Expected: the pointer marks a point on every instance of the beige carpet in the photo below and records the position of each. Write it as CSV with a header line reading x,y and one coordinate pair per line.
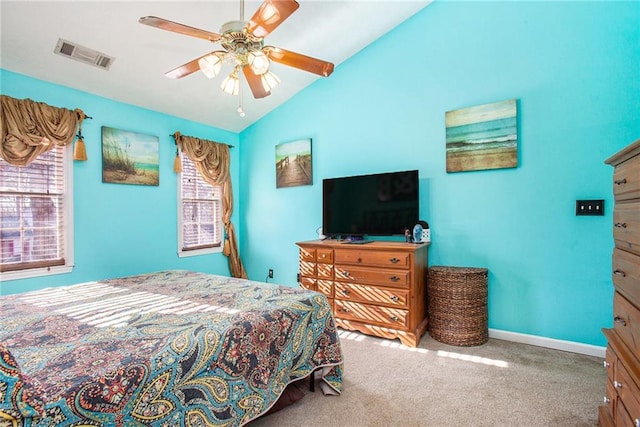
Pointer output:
x,y
497,384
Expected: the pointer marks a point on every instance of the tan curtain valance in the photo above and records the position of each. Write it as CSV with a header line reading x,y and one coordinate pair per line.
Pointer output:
x,y
212,161
29,128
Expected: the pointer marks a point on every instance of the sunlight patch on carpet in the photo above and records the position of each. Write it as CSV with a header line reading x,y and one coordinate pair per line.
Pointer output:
x,y
474,359
393,344
351,336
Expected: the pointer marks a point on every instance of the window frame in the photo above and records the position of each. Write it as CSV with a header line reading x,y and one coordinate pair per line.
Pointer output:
x,y
182,253
67,223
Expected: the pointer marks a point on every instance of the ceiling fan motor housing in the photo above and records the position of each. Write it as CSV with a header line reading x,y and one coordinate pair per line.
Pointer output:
x,y
237,40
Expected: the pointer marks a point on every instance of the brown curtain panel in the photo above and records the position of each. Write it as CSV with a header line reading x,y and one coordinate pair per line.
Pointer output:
x,y
212,162
29,128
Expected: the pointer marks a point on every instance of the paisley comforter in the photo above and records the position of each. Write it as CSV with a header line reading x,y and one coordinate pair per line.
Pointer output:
x,y
164,349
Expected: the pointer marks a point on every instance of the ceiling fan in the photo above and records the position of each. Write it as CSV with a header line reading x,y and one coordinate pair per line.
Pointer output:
x,y
244,49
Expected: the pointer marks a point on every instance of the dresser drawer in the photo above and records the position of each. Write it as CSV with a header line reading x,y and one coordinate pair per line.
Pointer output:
x,y
307,269
610,363
626,226
626,179
373,294
326,287
628,391
626,323
626,275
308,283
605,417
374,276
324,256
384,316
623,419
610,398
375,259
324,271
307,254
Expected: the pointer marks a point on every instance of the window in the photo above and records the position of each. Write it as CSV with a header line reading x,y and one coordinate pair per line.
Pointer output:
x,y
36,208
199,213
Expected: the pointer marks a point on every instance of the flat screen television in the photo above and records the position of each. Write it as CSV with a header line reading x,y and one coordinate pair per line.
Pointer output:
x,y
382,204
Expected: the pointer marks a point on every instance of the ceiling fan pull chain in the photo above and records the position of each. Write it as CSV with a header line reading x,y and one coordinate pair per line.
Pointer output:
x,y
240,109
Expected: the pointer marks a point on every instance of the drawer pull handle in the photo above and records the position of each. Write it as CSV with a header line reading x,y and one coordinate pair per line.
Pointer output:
x,y
394,298
620,181
394,318
620,320
606,364
345,309
621,225
636,422
619,273
394,260
616,384
394,278
359,260
345,291
323,256
606,400
346,274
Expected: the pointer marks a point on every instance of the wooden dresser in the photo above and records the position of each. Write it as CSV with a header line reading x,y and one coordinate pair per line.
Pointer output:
x,y
378,288
622,400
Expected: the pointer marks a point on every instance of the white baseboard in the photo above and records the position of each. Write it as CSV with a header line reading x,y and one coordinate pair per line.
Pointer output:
x,y
573,347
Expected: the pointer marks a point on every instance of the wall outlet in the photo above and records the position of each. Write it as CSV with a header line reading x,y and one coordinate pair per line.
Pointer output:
x,y
270,275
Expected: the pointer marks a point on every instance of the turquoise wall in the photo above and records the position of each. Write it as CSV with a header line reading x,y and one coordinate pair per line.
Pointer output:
x,y
121,229
574,68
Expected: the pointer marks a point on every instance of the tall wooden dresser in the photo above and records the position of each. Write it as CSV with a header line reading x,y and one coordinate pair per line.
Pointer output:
x,y
622,401
377,288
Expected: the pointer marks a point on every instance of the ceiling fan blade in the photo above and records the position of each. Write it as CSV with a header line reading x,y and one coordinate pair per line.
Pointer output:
x,y
185,69
269,15
255,83
298,60
164,24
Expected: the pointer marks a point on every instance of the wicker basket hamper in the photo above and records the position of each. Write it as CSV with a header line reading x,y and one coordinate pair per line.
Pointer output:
x,y
457,305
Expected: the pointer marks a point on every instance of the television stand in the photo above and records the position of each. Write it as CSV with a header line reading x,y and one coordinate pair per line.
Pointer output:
x,y
378,289
355,240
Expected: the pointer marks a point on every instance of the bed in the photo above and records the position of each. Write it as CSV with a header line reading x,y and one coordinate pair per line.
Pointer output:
x,y
161,349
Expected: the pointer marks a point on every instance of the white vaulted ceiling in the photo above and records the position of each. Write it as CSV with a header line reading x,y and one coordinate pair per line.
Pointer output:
x,y
328,30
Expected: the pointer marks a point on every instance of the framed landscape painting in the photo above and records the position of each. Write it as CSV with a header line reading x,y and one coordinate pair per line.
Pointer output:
x,y
129,157
293,163
482,137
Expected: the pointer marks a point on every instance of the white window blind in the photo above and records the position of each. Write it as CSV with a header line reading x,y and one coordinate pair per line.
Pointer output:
x,y
32,213
200,212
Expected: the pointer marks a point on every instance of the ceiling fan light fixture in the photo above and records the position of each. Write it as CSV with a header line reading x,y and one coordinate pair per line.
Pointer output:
x,y
258,61
269,81
211,64
231,83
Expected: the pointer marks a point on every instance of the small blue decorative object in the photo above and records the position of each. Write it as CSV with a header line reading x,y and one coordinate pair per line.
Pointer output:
x,y
417,233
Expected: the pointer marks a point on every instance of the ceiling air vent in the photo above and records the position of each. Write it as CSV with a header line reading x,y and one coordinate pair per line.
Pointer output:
x,y
83,54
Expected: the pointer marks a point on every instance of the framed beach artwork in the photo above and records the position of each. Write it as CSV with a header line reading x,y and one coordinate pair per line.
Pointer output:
x,y
293,163
482,137
129,157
